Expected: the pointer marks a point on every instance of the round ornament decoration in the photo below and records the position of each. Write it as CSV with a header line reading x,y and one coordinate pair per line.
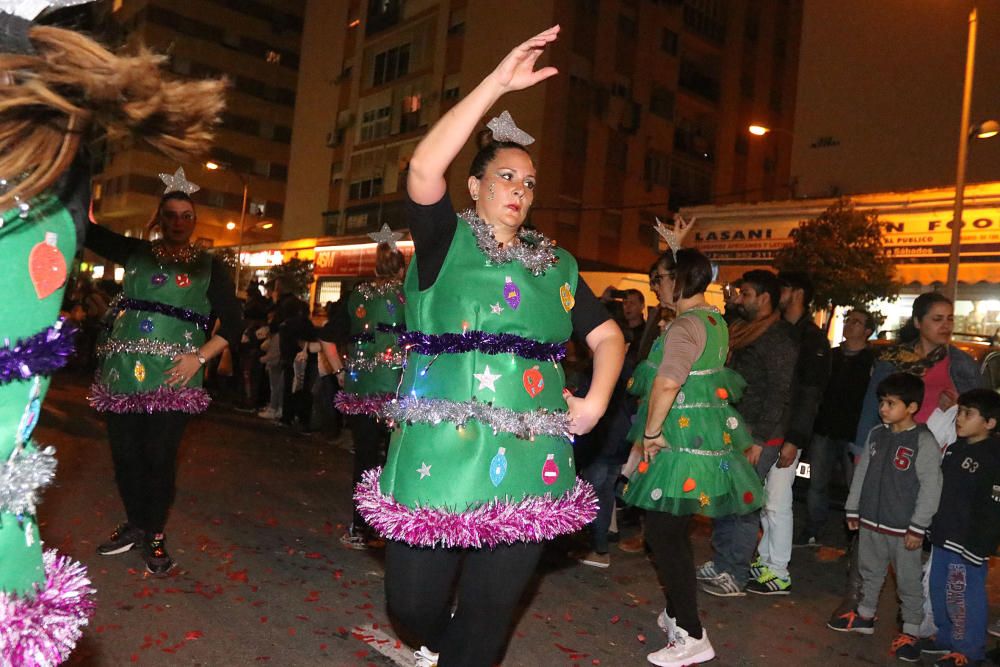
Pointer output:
x,y
722,393
498,467
643,467
533,381
360,312
724,465
183,280
689,485
139,371
390,306
680,398
158,279
656,494
748,497
550,471
511,293
47,266
732,423
566,297
401,297
146,325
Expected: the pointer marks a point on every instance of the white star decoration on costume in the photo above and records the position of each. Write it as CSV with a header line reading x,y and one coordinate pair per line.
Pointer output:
x,y
188,335
486,379
424,470
178,183
496,308
386,235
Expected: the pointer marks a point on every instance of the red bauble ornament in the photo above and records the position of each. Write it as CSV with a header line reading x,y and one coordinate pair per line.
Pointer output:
x,y
748,497
643,466
360,312
46,266
712,320
550,471
689,485
183,280
722,393
533,381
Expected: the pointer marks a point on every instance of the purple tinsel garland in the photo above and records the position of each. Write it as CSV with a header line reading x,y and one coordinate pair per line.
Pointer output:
x,y
192,400
41,629
41,354
361,404
202,321
481,341
533,519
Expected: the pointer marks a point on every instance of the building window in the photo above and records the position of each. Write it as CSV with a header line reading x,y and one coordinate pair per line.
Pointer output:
x,y
391,64
668,42
661,102
450,94
366,189
617,151
456,22
262,168
376,123
656,168
410,118
273,57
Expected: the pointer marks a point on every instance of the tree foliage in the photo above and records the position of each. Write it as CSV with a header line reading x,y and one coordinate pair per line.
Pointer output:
x,y
295,275
843,252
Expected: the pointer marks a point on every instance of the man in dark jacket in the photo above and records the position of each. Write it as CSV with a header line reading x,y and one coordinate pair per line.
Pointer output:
x,y
812,371
763,350
837,420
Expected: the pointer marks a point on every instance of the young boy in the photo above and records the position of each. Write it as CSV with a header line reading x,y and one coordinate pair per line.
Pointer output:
x,y
966,530
894,495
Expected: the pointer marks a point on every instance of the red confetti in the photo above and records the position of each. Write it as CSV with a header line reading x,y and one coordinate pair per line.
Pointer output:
x,y
641,638
291,632
263,619
194,634
314,555
239,575
615,618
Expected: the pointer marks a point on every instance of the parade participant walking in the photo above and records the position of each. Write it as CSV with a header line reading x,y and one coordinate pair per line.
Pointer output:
x,y
152,368
373,367
54,84
480,468
693,444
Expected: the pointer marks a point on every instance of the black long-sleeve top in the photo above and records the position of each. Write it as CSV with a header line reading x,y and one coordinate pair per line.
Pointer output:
x,y
220,293
812,373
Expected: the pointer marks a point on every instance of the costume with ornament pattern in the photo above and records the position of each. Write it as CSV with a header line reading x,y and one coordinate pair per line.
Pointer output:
x,y
372,372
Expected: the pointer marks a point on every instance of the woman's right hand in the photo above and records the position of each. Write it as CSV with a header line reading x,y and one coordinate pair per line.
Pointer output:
x,y
517,70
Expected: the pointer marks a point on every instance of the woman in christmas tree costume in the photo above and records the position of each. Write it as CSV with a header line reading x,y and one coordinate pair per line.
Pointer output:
x,y
374,366
480,468
152,363
53,84
691,441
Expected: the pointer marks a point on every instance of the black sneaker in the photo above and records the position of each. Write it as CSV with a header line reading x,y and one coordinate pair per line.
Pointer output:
x,y
124,538
929,646
906,648
852,621
158,561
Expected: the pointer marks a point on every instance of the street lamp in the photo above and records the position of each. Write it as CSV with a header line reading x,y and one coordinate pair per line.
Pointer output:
x,y
212,165
758,130
761,130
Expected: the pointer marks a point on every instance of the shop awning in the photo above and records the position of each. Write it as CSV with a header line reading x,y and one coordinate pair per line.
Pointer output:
x,y
969,273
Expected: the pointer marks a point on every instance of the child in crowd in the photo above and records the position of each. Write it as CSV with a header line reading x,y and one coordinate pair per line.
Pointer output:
x,y
966,531
894,495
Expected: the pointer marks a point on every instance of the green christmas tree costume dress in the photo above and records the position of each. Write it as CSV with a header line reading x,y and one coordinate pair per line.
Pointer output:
x,y
703,471
376,362
481,455
44,598
163,312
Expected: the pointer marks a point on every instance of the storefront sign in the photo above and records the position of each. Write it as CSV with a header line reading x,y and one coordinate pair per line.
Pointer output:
x,y
351,260
262,258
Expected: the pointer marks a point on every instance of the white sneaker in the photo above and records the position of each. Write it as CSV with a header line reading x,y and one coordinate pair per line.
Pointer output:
x,y
706,571
684,650
268,413
668,624
425,658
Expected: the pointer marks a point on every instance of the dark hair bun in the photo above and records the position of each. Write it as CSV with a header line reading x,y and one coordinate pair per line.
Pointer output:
x,y
484,138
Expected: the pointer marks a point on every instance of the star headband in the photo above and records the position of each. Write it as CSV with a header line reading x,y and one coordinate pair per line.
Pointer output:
x,y
178,183
504,129
30,9
387,236
669,235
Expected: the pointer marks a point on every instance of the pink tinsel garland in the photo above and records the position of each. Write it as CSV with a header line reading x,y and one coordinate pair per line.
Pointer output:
x,y
533,519
42,629
361,404
192,400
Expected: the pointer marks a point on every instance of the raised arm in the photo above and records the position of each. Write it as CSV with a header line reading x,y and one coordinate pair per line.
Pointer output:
x,y
436,151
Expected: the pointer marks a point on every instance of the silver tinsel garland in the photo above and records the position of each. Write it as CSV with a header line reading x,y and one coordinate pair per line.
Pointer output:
x,y
534,251
524,425
396,359
374,290
23,477
160,348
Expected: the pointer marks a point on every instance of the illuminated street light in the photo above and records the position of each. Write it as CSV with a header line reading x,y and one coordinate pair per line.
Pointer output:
x,y
230,225
267,225
987,129
212,166
759,130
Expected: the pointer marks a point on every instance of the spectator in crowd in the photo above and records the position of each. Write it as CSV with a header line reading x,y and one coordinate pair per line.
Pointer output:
x,y
296,331
837,421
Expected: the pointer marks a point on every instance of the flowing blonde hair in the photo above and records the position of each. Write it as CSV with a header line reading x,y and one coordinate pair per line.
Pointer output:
x,y
48,100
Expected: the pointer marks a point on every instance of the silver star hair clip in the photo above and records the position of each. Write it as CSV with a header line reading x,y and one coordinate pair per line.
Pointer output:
x,y
30,9
387,236
178,183
504,129
674,237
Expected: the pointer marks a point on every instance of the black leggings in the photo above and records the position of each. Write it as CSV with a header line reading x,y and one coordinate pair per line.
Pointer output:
x,y
668,539
418,587
370,440
144,453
